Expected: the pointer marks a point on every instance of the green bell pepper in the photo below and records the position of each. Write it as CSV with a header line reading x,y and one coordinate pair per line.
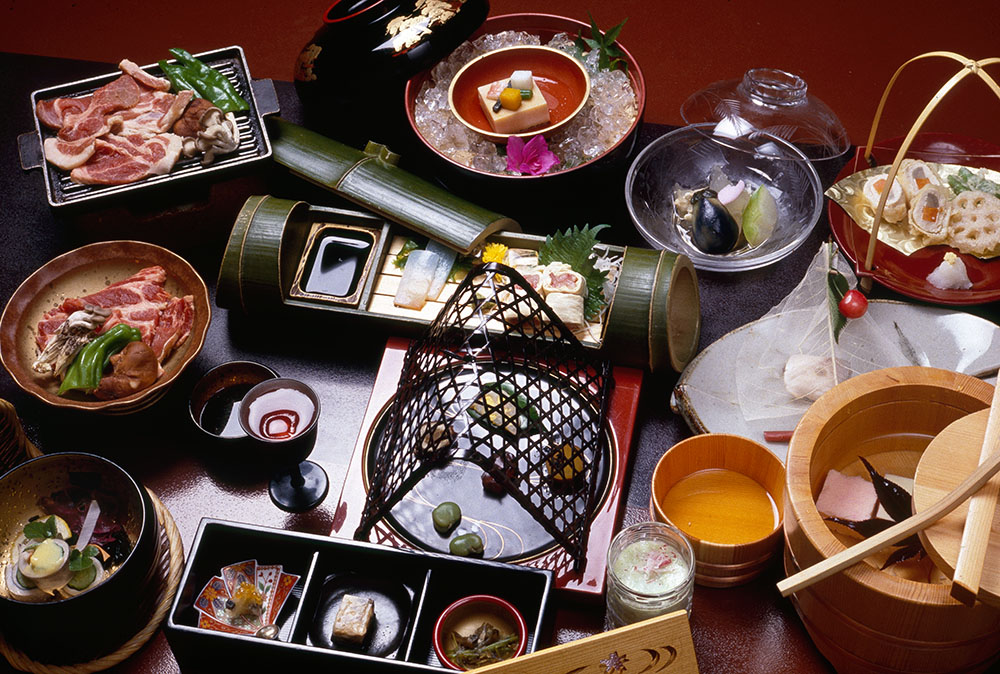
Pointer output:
x,y
209,83
175,74
86,370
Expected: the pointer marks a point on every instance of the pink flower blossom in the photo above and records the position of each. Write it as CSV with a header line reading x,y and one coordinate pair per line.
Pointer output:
x,y
533,157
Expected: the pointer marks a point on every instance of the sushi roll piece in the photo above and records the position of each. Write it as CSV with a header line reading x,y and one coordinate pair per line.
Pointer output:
x,y
560,278
930,212
895,205
445,261
569,309
415,285
950,274
915,175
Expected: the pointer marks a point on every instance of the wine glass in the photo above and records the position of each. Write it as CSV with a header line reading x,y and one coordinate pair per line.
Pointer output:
x,y
281,415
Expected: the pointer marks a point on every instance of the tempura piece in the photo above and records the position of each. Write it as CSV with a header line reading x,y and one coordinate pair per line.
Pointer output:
x,y
895,205
930,211
975,224
914,175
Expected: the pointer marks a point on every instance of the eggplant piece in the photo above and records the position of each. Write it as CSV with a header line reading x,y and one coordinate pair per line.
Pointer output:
x,y
714,230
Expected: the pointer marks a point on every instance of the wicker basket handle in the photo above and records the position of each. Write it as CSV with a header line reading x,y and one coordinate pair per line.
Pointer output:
x,y
969,67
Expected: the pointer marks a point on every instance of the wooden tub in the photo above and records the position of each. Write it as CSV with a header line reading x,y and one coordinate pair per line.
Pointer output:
x,y
864,619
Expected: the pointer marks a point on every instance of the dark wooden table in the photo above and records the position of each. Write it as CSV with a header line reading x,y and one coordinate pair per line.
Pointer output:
x,y
744,629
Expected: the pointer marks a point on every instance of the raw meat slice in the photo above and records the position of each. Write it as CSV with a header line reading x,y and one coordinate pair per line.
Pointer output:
x,y
68,154
52,112
120,94
173,327
142,77
141,301
123,159
145,116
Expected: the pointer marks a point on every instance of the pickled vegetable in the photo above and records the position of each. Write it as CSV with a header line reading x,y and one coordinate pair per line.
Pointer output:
x,y
714,230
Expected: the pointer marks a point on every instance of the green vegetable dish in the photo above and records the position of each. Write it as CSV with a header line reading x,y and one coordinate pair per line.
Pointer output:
x,y
191,74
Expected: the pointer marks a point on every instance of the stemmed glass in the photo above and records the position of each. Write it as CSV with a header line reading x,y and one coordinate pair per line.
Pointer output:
x,y
282,415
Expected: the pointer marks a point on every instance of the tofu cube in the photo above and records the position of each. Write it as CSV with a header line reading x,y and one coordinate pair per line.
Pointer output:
x,y
533,112
353,619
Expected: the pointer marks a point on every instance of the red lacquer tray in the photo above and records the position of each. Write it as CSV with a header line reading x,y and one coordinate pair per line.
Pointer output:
x,y
907,274
622,408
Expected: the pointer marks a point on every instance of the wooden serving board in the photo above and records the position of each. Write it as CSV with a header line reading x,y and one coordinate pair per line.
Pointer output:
x,y
661,644
951,457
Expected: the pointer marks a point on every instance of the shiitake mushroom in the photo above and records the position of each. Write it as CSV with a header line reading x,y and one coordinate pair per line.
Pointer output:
x,y
714,230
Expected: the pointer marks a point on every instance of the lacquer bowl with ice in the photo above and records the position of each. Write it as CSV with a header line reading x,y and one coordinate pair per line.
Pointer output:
x,y
600,136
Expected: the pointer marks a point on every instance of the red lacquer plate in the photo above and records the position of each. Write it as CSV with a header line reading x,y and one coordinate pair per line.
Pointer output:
x,y
907,274
560,77
622,407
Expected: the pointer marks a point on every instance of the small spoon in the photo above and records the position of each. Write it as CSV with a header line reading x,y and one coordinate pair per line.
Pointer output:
x,y
268,632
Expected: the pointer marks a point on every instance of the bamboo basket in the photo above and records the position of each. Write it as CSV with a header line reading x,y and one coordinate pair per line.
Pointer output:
x,y
864,619
654,319
969,67
716,564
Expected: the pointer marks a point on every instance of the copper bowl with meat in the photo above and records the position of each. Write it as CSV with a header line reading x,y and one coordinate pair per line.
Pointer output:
x,y
67,621
50,340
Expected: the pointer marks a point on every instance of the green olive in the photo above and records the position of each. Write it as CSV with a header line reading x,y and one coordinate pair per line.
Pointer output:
x,y
446,516
466,545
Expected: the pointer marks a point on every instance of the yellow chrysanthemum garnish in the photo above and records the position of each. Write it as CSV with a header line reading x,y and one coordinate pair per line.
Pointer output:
x,y
494,252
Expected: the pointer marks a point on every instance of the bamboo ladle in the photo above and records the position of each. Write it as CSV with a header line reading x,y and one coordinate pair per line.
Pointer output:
x,y
939,497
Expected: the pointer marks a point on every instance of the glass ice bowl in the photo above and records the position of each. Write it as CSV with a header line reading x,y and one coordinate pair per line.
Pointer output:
x,y
685,158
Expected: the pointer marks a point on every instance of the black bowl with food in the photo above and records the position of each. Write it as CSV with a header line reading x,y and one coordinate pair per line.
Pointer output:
x,y
79,542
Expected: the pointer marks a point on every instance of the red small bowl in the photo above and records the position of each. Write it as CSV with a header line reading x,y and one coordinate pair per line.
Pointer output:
x,y
472,609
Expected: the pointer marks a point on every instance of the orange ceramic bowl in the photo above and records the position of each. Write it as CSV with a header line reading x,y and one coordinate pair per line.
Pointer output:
x,y
561,78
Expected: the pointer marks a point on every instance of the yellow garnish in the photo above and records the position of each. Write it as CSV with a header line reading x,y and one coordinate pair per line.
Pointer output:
x,y
510,98
494,252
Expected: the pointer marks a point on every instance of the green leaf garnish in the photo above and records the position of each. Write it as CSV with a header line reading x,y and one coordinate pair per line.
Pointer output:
x,y
836,288
404,253
610,56
41,529
575,247
79,561
966,181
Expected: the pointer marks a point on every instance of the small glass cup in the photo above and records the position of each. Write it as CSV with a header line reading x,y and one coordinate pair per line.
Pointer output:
x,y
626,604
272,415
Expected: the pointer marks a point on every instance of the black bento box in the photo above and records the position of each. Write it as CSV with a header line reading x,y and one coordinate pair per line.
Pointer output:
x,y
254,143
429,583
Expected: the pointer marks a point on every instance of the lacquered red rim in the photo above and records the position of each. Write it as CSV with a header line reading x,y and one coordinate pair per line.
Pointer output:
x,y
635,74
496,602
328,20
907,275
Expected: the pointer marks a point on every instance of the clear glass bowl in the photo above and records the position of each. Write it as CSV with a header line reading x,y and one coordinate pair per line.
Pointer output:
x,y
772,101
685,157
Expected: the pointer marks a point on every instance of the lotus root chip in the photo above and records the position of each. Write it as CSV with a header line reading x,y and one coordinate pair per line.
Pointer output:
x,y
975,224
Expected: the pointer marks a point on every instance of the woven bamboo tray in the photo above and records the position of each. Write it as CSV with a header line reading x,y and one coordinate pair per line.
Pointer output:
x,y
14,447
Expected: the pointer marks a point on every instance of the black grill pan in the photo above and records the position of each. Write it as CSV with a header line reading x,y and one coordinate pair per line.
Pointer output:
x,y
254,143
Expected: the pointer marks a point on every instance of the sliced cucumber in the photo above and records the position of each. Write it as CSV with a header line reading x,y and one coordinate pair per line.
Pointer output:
x,y
82,579
24,582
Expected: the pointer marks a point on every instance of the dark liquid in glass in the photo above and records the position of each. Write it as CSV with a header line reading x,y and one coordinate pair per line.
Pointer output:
x,y
221,414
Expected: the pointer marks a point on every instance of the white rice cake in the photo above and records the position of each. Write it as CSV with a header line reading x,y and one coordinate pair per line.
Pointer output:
x,y
353,619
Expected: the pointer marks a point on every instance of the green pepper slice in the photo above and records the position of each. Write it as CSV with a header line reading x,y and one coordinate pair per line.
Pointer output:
x,y
210,83
85,372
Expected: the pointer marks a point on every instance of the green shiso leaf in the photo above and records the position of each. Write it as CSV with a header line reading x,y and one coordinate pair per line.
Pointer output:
x,y
966,181
836,288
575,247
404,253
39,530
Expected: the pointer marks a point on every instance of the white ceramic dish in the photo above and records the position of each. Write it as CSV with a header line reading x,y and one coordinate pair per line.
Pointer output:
x,y
705,395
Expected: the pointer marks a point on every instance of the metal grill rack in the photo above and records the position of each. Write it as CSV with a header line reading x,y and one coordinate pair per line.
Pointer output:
x,y
254,144
528,405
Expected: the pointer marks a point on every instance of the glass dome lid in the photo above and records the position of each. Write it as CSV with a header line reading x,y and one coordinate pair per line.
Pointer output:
x,y
772,101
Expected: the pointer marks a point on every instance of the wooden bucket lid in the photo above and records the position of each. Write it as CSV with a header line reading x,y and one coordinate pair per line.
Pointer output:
x,y
950,457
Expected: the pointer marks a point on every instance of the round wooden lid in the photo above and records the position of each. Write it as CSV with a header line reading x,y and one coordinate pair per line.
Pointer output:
x,y
950,457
